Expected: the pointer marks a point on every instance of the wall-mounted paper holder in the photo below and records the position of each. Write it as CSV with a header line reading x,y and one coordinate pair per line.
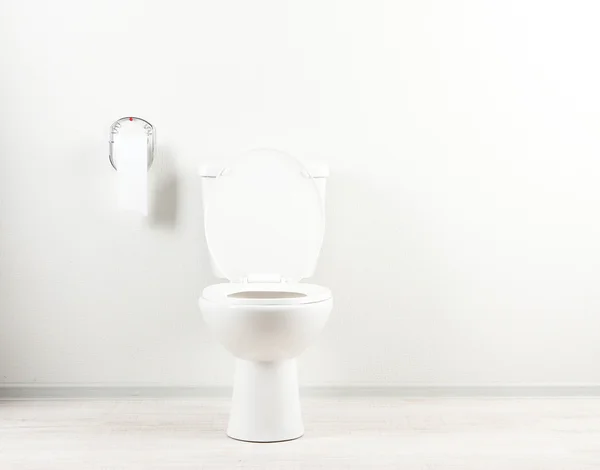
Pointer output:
x,y
150,133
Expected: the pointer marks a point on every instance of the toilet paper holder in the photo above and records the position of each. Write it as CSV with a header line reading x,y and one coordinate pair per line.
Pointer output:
x,y
150,133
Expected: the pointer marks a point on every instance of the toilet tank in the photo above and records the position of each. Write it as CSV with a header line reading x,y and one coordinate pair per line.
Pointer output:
x,y
319,172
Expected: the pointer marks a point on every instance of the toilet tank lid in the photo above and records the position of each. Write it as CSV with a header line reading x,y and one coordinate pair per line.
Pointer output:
x,y
316,169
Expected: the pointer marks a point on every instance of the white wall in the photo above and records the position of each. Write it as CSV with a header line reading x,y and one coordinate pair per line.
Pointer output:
x,y
464,143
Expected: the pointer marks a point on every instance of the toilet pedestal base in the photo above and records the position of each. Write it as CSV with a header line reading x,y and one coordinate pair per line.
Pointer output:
x,y
266,402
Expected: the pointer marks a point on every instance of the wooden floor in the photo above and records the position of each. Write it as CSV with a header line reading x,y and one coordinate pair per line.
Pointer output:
x,y
349,433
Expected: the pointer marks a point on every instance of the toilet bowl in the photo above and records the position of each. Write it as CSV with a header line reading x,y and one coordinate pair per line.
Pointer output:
x,y
264,224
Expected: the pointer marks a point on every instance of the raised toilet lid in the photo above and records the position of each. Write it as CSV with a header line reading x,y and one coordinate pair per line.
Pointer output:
x,y
264,221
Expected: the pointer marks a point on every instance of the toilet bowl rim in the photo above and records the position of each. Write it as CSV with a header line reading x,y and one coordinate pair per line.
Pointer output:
x,y
310,293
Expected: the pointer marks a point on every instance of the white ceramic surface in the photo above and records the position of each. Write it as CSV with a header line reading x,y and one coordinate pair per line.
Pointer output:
x,y
264,222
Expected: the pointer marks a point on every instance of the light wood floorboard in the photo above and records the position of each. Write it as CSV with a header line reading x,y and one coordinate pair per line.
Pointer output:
x,y
344,433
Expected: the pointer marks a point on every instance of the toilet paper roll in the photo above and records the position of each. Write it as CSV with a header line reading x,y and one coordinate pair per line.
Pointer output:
x,y
131,152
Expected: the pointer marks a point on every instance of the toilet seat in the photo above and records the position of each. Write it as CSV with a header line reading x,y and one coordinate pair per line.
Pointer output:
x,y
264,226
266,293
264,220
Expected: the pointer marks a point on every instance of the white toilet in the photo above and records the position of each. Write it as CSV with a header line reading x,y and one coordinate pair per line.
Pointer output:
x,y
264,220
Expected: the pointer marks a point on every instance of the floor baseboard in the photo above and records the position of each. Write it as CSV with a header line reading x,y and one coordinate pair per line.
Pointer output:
x,y
60,391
